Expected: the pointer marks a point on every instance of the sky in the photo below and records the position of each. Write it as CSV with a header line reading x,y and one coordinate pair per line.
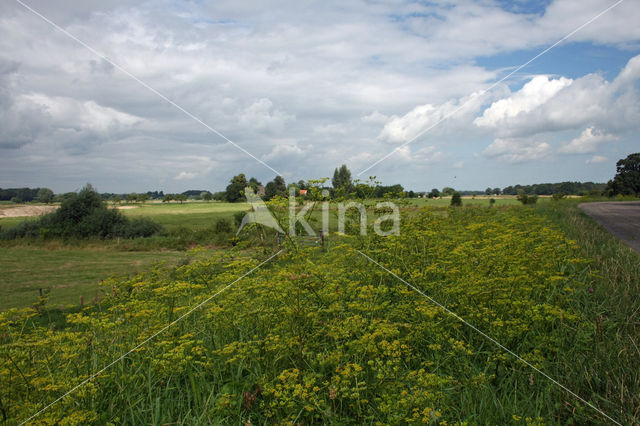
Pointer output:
x,y
135,96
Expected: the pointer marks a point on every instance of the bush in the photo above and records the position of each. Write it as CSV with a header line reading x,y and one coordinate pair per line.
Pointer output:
x,y
83,215
223,226
28,228
456,200
527,199
141,227
237,218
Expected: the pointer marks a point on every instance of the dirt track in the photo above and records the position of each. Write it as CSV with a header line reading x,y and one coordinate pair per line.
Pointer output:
x,y
25,211
622,219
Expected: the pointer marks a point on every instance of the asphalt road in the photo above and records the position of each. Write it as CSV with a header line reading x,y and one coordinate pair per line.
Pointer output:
x,y
622,219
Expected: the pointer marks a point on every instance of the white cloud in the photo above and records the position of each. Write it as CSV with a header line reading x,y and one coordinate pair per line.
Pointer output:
x,y
596,159
262,116
451,115
517,150
295,82
285,151
548,105
77,115
375,118
186,175
587,142
534,94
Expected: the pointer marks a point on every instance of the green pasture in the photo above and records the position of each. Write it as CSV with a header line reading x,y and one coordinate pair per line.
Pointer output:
x,y
194,215
67,273
501,200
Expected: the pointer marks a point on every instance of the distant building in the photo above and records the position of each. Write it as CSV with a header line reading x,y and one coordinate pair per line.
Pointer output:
x,y
261,191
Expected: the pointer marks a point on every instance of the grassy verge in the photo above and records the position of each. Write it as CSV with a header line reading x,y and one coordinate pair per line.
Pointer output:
x,y
614,308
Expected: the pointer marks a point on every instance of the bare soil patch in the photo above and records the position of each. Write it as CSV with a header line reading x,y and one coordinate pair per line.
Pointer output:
x,y
25,211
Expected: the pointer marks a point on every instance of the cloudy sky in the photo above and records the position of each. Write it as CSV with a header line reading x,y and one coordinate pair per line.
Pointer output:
x,y
306,86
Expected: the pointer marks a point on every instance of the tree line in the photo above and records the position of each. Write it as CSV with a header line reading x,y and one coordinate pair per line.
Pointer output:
x,y
625,182
342,185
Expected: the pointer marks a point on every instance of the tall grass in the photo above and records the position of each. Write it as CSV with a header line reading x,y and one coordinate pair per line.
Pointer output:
x,y
611,372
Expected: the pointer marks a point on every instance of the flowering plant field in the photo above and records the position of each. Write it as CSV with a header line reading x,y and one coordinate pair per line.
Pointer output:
x,y
327,336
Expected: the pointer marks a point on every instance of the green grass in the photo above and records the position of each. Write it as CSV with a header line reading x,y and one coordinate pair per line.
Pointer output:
x,y
328,337
67,273
614,308
481,200
196,215
8,222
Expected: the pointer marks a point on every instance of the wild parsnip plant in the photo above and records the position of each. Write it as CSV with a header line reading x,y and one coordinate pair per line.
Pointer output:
x,y
325,336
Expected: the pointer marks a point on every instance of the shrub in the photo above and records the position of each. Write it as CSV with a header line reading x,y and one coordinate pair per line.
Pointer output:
x,y
223,226
456,200
83,215
141,227
28,228
527,199
237,218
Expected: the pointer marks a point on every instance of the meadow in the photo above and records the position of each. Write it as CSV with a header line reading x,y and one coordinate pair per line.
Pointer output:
x,y
65,271
323,335
193,215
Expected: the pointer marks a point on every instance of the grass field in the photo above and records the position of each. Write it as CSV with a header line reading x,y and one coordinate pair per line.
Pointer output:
x,y
480,200
195,215
67,273
11,221
328,337
171,215
74,269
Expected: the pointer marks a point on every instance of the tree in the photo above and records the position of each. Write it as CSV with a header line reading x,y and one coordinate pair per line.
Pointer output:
x,y
488,191
276,187
116,199
627,178
254,184
132,198
435,193
207,196
456,199
180,197
527,199
342,179
143,198
168,198
235,189
45,195
446,191
496,191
